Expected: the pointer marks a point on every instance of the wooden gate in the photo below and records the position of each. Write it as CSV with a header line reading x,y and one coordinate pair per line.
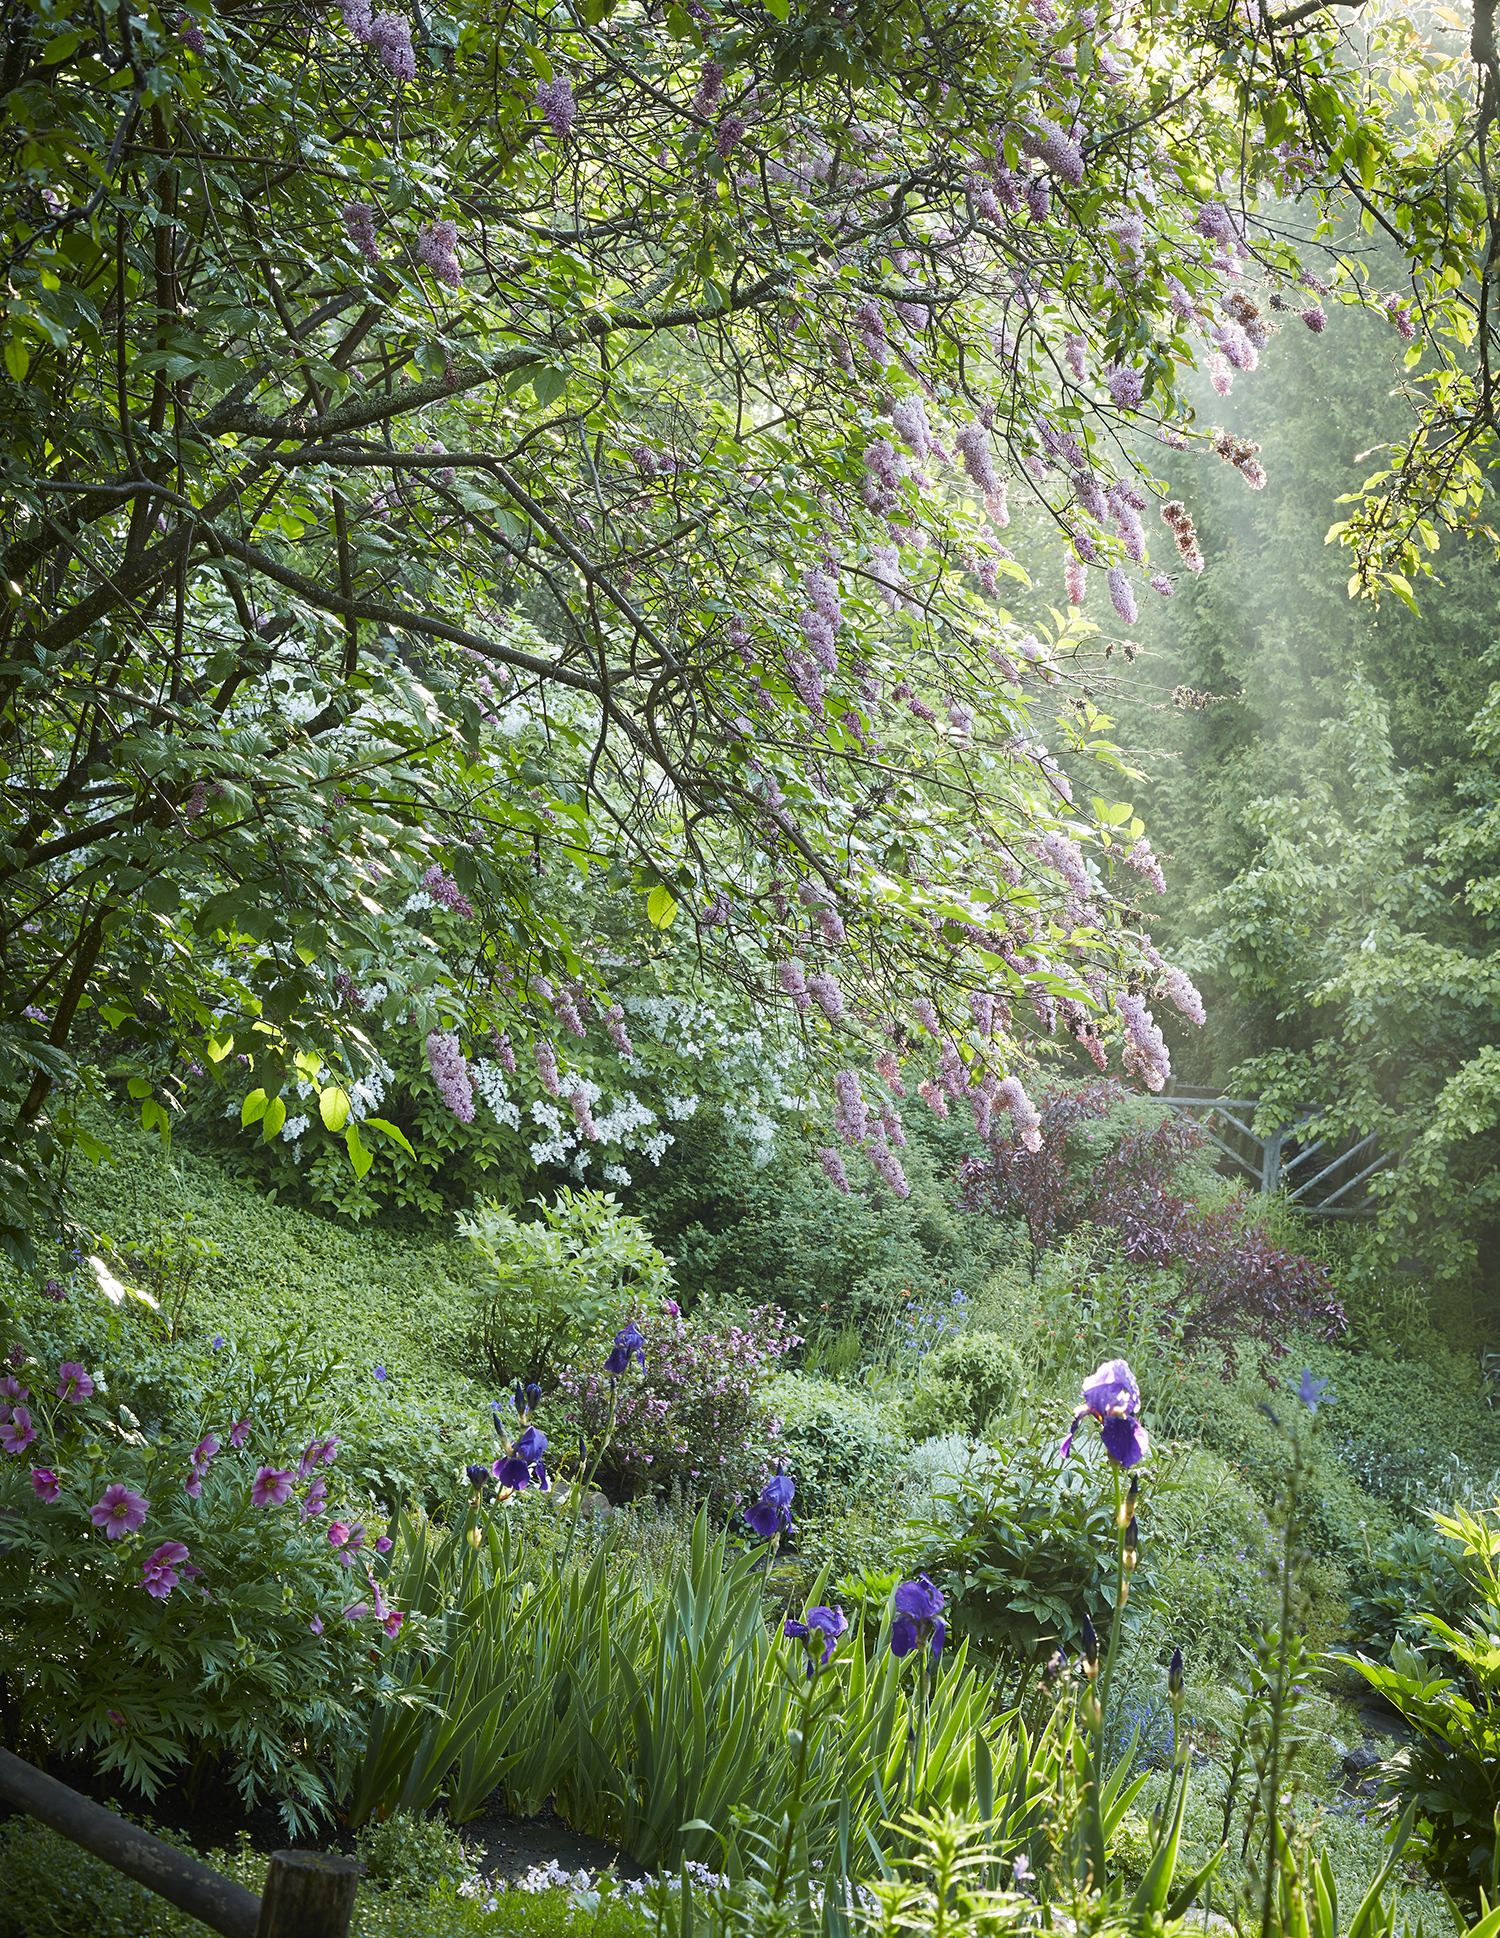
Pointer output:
x,y
1280,1162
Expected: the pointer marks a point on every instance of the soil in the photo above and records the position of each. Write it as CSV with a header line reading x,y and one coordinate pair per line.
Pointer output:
x,y
508,1847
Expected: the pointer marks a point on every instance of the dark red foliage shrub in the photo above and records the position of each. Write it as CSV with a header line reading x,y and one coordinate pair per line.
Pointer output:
x,y
1235,1282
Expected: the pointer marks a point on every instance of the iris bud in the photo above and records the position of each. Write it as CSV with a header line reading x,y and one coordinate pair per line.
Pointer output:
x,y
1174,1679
1131,1553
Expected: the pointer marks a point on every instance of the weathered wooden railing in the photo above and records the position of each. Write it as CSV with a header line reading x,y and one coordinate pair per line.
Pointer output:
x,y
1266,1159
306,1895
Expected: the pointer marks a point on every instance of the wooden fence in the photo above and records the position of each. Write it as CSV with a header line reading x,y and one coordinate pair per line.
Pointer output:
x,y
1278,1162
306,1895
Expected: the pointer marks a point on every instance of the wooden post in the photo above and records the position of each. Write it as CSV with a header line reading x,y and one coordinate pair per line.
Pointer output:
x,y
308,1895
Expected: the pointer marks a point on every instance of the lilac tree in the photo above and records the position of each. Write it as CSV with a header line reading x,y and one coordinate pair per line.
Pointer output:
x,y
446,446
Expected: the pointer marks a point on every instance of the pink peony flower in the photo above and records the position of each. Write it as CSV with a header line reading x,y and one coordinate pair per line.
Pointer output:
x,y
17,1433
239,1433
73,1383
119,1511
338,1533
46,1483
271,1487
159,1570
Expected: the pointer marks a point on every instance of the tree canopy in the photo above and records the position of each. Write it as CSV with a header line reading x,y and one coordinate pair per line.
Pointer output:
x,y
452,451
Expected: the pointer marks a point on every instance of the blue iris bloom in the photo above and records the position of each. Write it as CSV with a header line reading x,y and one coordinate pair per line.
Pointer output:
x,y
819,1634
919,1618
629,1339
774,1508
1313,1392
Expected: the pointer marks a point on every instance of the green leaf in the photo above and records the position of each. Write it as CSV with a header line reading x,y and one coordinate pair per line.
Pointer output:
x,y
661,908
17,358
393,1131
139,1087
333,1107
272,1121
253,1108
549,385
359,1157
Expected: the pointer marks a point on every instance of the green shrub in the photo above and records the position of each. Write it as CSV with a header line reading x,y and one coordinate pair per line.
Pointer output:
x,y
780,1231
1451,1772
1417,1572
413,1856
839,1442
964,1382
548,1280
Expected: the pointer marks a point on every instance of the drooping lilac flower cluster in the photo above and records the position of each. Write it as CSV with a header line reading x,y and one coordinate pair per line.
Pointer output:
x,y
1075,581
851,1118
437,244
1024,1116
795,984
888,1166
731,133
1121,596
829,997
359,222
1056,150
390,36
1176,516
910,420
819,903
890,1071
1145,863
546,1067
356,18
1145,1054
972,442
821,621
884,470
446,891
1073,349
555,100
710,87
614,1022
450,1072
1242,454
1315,317
1215,222
1400,314
1179,989
191,35
833,1167
1125,385
890,580
503,1051
562,1004
1064,854
584,1113
934,1099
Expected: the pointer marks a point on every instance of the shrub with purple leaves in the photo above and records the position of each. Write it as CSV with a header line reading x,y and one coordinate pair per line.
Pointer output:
x,y
699,1415
1121,1176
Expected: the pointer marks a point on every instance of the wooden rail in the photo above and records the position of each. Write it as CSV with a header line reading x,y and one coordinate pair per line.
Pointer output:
x,y
306,1895
1264,1159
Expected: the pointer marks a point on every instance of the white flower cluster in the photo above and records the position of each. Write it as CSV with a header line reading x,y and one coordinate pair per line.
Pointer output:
x,y
489,1087
368,1092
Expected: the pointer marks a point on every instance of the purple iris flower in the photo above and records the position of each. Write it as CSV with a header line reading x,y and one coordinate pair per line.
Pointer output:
x,y
774,1508
478,1476
1313,1392
919,1614
823,1625
629,1339
524,1463
1111,1395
